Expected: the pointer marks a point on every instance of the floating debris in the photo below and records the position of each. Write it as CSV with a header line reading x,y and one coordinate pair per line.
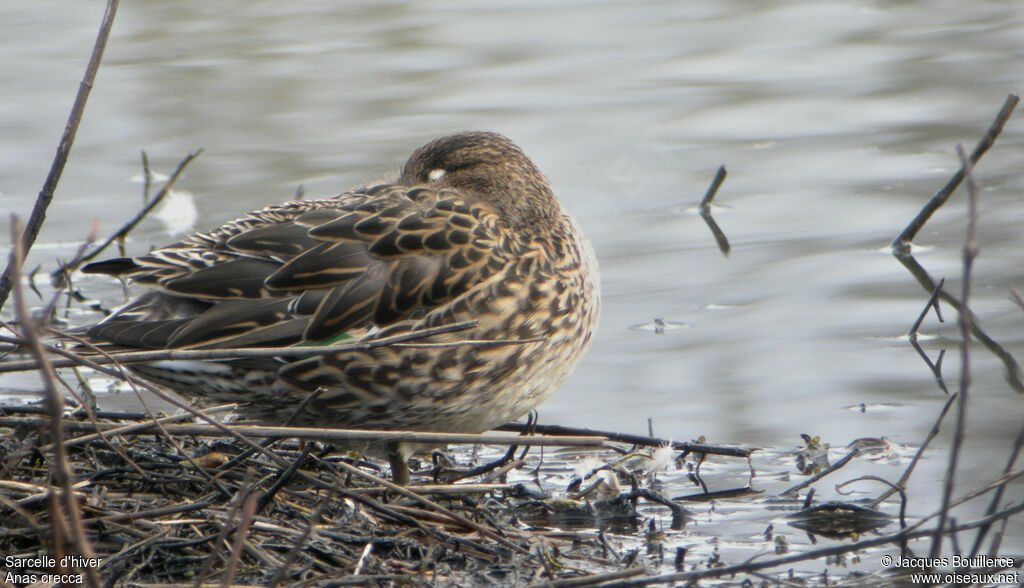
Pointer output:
x,y
659,325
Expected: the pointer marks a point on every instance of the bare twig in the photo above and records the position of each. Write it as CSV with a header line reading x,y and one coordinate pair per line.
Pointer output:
x,y
1018,446
1013,372
936,366
300,541
53,401
705,211
149,206
113,415
854,452
249,352
933,302
147,177
902,242
716,183
248,511
441,489
911,532
901,245
35,221
1017,298
593,579
934,432
327,434
892,487
632,439
135,427
970,252
433,506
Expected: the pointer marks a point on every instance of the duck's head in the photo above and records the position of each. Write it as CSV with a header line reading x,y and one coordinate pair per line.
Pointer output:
x,y
490,168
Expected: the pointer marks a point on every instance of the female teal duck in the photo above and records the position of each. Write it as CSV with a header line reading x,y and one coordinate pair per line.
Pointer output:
x,y
470,230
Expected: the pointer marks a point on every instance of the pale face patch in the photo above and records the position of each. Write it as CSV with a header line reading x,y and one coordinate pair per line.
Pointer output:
x,y
436,174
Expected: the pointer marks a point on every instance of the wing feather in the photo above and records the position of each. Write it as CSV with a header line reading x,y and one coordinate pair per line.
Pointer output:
x,y
310,270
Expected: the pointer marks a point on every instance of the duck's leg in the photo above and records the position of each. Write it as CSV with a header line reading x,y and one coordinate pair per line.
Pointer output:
x,y
399,464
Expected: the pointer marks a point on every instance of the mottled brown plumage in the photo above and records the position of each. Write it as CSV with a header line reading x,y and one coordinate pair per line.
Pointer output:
x,y
470,230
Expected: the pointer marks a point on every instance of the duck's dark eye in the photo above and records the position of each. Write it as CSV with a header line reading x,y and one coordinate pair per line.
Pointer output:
x,y
436,174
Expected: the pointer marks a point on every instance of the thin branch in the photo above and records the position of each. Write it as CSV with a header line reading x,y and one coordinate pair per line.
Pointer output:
x,y
902,242
1018,446
934,432
830,469
632,439
716,183
970,253
1017,298
432,505
901,245
1013,372
936,366
128,357
892,487
932,302
993,506
911,532
35,221
61,469
147,177
593,579
301,541
248,511
705,212
319,434
105,432
150,205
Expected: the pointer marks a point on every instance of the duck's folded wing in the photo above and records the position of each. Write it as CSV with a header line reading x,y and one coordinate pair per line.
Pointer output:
x,y
312,271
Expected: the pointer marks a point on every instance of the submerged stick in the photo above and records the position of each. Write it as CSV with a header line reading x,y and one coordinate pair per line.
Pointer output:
x,y
705,211
901,245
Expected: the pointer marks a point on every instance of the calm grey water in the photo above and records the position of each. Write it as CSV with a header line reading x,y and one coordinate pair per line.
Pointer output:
x,y
836,121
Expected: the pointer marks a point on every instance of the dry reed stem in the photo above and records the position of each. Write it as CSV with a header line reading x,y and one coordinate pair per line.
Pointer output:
x,y
67,508
970,252
310,433
129,357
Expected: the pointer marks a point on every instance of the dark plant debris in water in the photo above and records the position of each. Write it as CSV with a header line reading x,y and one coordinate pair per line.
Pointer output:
x,y
158,510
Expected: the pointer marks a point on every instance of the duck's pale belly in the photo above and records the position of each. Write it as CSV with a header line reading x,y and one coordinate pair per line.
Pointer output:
x,y
463,389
